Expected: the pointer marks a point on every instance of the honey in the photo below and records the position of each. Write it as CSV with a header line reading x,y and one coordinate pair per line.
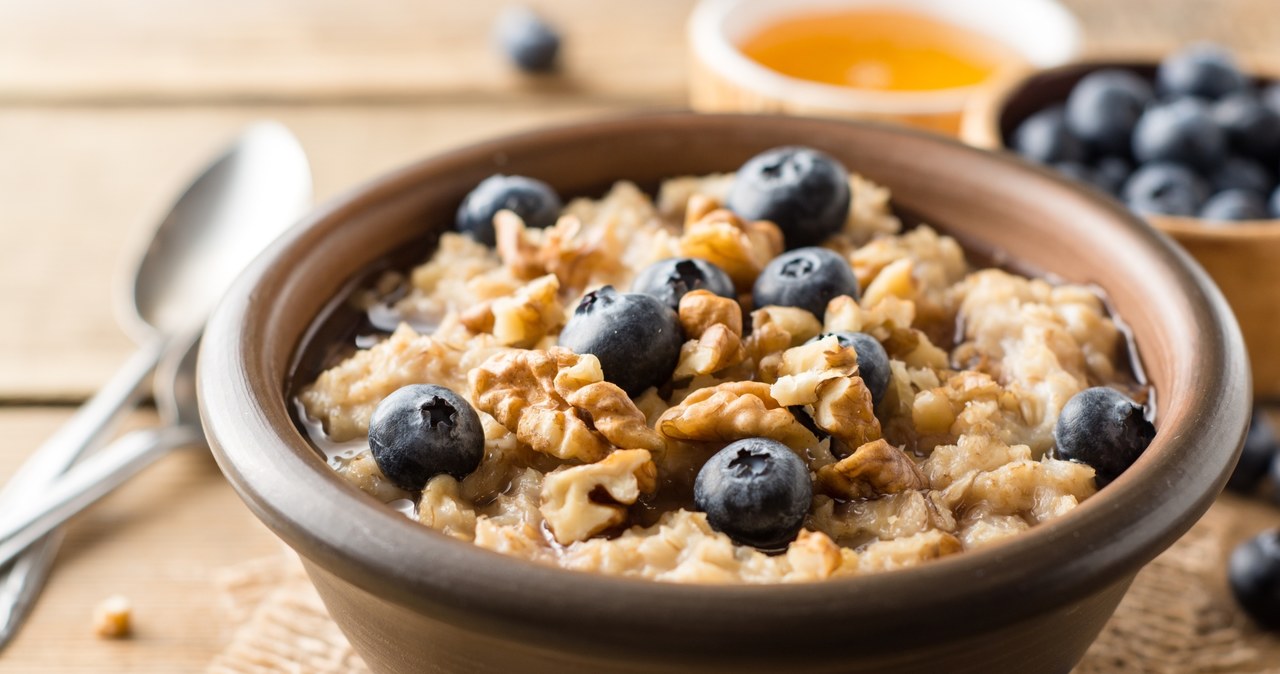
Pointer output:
x,y
880,49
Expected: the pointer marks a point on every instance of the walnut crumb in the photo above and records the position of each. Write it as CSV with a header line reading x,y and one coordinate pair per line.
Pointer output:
x,y
873,470
112,618
558,403
582,501
733,411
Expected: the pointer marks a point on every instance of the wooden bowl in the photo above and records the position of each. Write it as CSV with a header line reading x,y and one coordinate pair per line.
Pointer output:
x,y
412,599
723,79
1242,257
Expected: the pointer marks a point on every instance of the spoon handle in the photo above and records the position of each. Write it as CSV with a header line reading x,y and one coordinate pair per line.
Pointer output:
x,y
89,481
87,428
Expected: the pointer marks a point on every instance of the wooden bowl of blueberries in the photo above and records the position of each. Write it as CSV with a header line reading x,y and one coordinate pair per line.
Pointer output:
x,y
1191,142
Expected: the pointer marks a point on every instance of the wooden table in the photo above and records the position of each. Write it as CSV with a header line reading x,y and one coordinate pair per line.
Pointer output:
x,y
107,108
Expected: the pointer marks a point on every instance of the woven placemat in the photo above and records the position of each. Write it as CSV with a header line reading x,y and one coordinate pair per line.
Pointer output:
x,y
1174,619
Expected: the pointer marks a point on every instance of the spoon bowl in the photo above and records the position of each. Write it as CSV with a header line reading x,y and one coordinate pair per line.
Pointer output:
x,y
220,223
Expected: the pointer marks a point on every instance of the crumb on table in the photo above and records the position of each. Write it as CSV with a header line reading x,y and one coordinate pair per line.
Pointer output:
x,y
111,617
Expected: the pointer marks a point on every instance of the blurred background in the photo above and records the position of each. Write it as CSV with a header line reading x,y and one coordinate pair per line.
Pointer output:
x,y
107,108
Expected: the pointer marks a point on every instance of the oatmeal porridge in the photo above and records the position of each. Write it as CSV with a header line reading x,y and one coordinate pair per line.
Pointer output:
x,y
749,378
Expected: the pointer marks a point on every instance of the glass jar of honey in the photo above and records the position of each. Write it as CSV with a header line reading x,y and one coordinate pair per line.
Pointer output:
x,y
912,61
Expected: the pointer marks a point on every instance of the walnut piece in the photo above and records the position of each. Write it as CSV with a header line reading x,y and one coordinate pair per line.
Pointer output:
x,y
733,411
581,501
520,319
558,403
112,618
774,330
719,348
741,249
565,249
873,470
824,376
701,309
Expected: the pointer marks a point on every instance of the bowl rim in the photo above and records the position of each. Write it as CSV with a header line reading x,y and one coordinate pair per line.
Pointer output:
x,y
255,443
980,127
713,48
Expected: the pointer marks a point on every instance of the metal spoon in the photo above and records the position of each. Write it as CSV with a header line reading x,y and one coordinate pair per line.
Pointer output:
x,y
259,186
101,473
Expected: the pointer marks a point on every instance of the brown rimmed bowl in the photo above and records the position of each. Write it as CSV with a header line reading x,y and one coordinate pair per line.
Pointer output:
x,y
1240,256
411,599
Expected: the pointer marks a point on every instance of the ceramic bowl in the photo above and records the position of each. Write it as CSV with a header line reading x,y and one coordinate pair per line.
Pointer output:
x,y
723,79
1241,257
412,600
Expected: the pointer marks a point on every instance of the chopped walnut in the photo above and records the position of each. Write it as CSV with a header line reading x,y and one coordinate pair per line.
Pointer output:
x,y
824,376
733,411
774,330
741,249
520,319
558,403
582,501
718,348
846,410
701,309
566,249
112,618
803,368
873,470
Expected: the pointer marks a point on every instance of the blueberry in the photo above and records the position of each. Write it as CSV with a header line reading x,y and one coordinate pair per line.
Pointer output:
x,y
1254,574
1102,427
533,200
1044,138
1234,205
1201,70
756,491
669,280
808,278
873,361
1181,131
636,337
424,430
1165,188
1111,173
803,191
1252,128
1103,108
527,39
1271,96
1260,448
1241,173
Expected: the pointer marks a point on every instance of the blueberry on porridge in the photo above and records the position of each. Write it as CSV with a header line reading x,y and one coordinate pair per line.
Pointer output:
x,y
757,491
806,278
669,280
801,190
745,378
533,201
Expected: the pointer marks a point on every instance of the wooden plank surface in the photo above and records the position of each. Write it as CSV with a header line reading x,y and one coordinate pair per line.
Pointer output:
x,y
79,187
410,50
159,541
72,50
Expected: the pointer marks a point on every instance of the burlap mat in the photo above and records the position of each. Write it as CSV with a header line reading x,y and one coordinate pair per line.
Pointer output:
x,y
1176,618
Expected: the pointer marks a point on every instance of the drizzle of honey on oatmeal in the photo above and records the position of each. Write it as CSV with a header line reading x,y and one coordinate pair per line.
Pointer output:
x,y
881,49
